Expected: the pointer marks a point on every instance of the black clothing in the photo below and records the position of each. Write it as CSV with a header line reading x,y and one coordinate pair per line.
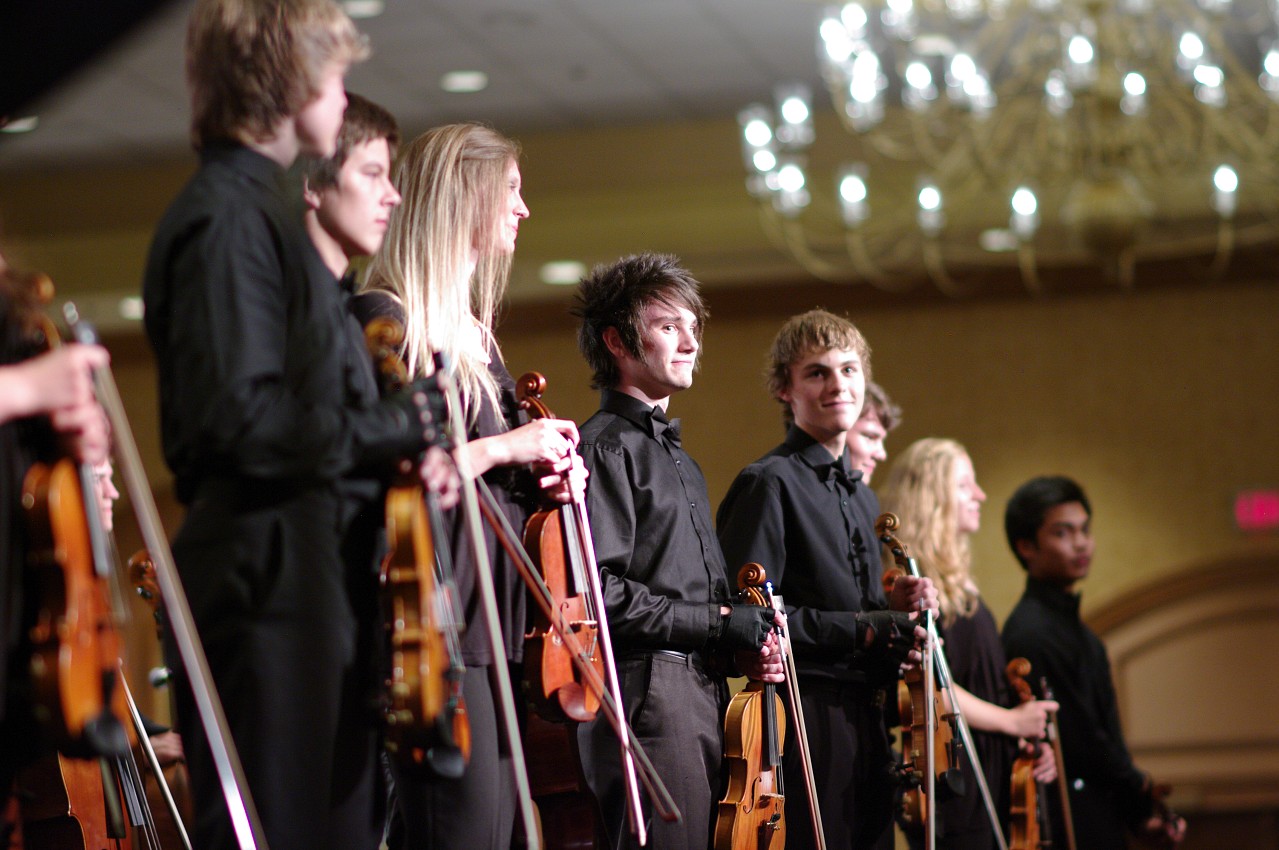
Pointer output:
x,y
514,489
977,662
1106,788
809,520
663,578
662,568
477,810
271,423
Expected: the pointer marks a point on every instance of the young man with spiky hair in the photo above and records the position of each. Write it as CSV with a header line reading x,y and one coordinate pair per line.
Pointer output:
x,y
666,588
271,424
807,516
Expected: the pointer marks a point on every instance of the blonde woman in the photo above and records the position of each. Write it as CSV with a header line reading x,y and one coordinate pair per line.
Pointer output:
x,y
934,492
442,270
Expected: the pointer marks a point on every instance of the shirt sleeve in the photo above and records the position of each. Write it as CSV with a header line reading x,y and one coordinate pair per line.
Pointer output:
x,y
638,617
752,528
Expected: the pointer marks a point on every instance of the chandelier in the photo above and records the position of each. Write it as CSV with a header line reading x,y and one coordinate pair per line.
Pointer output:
x,y
1025,136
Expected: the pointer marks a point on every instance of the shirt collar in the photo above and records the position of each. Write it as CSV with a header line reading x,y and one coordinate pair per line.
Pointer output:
x,y
630,408
818,457
1053,596
244,159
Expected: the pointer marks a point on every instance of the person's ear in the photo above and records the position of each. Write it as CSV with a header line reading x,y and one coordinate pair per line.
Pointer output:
x,y
1026,549
310,196
613,341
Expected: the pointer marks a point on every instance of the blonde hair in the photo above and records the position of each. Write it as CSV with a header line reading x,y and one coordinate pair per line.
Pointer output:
x,y
453,180
816,331
252,63
920,490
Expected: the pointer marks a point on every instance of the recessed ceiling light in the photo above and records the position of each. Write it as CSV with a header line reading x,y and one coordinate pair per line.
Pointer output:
x,y
130,307
358,9
20,125
464,82
562,272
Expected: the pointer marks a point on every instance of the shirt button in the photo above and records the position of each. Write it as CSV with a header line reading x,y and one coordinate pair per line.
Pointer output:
x,y
692,504
843,502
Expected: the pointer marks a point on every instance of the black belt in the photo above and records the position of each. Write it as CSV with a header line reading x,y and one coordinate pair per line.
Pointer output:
x,y
695,658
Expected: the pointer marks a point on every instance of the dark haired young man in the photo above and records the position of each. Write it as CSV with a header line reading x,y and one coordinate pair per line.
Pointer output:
x,y
666,590
806,515
1048,523
866,438
349,196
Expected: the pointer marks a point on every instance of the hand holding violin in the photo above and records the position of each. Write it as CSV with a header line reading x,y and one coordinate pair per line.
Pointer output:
x,y
766,664
914,593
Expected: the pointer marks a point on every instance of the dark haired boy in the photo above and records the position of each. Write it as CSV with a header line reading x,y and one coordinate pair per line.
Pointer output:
x,y
1048,523
666,588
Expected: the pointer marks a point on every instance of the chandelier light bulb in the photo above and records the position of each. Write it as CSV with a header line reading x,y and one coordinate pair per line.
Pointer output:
x,y
962,67
758,133
1080,50
854,19
1134,84
790,178
918,76
1225,179
1024,202
764,160
794,110
930,198
1191,47
852,189
1225,183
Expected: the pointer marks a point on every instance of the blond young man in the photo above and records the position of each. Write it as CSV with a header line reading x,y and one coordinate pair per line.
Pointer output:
x,y
808,517
271,424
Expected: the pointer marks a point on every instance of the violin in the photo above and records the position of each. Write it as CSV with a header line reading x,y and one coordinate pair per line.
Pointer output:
x,y
1030,828
752,813
425,713
552,538
75,645
930,745
182,631
555,674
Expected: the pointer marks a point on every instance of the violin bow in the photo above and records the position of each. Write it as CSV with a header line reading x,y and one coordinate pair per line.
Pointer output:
x,y
235,789
488,605
936,658
663,803
797,717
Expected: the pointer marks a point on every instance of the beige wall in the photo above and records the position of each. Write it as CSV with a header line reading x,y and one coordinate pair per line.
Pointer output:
x,y
1162,403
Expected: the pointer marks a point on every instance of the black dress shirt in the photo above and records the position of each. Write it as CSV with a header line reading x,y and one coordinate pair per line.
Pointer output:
x,y
261,381
661,566
809,520
1045,628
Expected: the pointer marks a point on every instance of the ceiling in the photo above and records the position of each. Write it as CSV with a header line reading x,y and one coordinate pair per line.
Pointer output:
x,y
552,64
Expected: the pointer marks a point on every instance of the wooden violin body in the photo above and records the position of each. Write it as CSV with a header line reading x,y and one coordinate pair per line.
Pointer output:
x,y
553,682
752,813
1030,828
76,649
424,712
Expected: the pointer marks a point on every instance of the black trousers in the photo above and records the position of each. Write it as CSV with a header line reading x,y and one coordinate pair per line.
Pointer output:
x,y
475,812
676,708
851,766
269,591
